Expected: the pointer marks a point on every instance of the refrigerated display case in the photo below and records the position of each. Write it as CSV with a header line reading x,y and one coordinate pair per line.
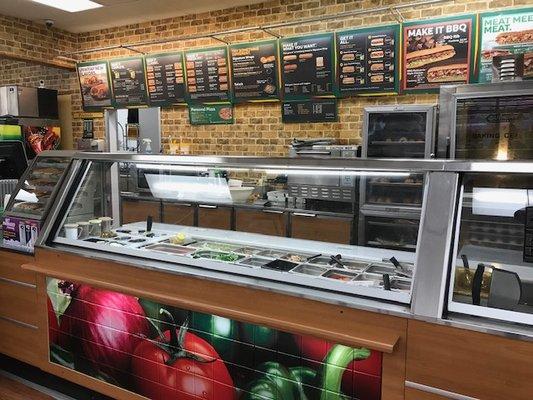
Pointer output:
x,y
472,217
493,272
32,198
488,121
222,230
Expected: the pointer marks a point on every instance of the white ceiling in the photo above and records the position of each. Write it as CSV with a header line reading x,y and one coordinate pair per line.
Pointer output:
x,y
114,12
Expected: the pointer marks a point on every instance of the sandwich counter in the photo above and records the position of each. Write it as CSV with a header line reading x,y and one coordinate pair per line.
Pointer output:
x,y
214,282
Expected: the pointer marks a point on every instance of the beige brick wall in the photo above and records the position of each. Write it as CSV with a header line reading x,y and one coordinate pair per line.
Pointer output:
x,y
258,129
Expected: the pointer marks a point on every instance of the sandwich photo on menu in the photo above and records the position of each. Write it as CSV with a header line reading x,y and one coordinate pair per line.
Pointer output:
x,y
448,73
419,58
436,52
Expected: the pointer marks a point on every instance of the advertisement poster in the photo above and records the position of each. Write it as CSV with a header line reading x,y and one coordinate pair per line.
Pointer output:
x,y
207,75
503,33
367,60
94,85
41,138
254,69
437,52
128,81
307,66
316,110
165,79
20,233
164,352
212,114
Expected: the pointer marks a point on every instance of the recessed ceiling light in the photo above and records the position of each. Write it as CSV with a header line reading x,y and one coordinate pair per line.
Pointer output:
x,y
70,5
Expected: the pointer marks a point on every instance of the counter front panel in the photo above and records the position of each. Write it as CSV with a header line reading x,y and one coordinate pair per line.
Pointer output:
x,y
164,352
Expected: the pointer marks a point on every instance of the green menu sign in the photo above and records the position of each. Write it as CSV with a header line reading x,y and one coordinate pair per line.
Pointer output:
x,y
307,66
503,33
367,60
211,114
254,68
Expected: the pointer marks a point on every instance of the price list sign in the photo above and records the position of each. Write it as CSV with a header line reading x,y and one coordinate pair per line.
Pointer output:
x,y
368,60
165,79
128,80
254,69
207,75
315,110
307,66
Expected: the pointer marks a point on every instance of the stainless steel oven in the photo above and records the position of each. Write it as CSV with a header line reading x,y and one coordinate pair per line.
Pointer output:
x,y
486,121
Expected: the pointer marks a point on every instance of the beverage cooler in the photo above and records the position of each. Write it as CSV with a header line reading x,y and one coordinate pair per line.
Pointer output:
x,y
390,206
490,121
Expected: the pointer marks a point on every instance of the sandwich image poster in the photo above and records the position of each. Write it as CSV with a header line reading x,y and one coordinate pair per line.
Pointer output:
x,y
503,33
95,85
436,52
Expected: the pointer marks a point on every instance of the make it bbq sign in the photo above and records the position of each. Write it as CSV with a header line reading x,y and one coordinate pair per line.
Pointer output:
x,y
437,52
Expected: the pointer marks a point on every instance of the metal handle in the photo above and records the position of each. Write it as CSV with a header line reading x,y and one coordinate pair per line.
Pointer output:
x,y
207,206
308,215
273,211
13,282
476,284
315,152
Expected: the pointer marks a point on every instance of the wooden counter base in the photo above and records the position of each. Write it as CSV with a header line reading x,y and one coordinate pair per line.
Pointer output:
x,y
336,324
464,362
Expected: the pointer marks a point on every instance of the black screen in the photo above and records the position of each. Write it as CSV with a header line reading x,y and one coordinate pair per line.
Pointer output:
x,y
13,161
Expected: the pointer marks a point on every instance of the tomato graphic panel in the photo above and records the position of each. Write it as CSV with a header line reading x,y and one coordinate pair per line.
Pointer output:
x,y
163,352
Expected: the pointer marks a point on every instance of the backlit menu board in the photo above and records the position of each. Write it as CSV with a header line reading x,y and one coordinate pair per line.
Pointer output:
x,y
367,60
307,66
207,75
437,52
254,68
503,33
94,85
165,79
128,81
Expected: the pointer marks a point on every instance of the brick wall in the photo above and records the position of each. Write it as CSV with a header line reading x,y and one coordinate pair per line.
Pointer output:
x,y
258,129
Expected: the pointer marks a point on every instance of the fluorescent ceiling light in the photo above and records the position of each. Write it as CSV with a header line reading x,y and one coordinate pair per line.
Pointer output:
x,y
70,5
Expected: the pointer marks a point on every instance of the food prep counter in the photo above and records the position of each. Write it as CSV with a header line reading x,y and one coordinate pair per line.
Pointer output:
x,y
201,278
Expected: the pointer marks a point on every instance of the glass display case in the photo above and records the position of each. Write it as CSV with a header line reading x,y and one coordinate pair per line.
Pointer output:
x,y
31,200
466,251
493,272
490,121
237,217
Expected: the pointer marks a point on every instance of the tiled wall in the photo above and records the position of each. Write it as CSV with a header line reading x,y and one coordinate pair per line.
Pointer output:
x,y
258,129
113,337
